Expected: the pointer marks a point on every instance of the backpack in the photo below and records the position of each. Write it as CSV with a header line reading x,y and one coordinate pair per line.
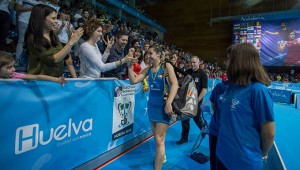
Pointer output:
x,y
185,104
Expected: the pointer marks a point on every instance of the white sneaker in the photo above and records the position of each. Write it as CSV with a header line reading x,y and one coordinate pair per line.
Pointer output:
x,y
165,159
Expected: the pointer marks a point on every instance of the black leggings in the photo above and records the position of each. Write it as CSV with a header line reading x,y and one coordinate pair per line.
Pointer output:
x,y
186,123
212,148
220,165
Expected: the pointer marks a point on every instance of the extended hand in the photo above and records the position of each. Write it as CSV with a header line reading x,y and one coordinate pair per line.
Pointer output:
x,y
129,59
110,42
131,51
76,35
61,80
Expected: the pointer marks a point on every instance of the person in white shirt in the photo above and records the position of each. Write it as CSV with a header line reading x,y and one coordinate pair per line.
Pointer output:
x,y
53,4
85,17
24,7
92,62
64,27
76,17
64,31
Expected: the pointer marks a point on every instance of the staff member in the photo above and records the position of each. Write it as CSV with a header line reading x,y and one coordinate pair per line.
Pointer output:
x,y
246,131
201,80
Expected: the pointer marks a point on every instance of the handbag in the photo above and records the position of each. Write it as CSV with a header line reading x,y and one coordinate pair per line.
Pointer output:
x,y
185,104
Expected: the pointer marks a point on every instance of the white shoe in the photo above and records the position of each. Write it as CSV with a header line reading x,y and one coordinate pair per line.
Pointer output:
x,y
165,159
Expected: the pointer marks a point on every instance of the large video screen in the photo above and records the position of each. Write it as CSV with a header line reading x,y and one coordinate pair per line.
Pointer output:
x,y
278,41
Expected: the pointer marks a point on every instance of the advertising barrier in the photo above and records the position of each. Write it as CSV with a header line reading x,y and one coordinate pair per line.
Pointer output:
x,y
283,96
284,92
49,126
285,86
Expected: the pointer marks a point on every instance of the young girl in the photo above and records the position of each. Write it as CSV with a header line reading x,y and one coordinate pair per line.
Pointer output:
x,y
7,70
146,61
137,66
158,109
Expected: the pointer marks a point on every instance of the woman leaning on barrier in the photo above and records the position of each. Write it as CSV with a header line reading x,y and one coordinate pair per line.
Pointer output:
x,y
46,53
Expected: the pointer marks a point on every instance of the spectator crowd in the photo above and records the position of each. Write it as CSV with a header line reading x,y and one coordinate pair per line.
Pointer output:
x,y
72,14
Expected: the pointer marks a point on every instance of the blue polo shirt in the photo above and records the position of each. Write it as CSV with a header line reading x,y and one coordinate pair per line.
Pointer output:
x,y
242,110
215,95
156,85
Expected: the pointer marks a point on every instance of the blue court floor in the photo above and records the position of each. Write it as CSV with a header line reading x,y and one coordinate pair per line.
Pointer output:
x,y
287,122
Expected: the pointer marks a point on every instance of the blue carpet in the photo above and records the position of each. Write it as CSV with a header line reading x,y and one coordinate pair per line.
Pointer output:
x,y
287,122
142,157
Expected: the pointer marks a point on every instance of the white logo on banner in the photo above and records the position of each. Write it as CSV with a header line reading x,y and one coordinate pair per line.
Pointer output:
x,y
123,110
29,137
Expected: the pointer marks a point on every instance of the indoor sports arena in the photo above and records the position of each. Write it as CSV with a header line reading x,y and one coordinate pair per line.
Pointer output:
x,y
154,84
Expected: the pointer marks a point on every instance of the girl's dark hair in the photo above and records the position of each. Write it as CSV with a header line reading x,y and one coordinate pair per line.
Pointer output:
x,y
5,58
134,41
145,53
157,48
36,27
63,10
141,54
244,65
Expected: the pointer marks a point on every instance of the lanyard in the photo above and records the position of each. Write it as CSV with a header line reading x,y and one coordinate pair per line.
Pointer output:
x,y
154,76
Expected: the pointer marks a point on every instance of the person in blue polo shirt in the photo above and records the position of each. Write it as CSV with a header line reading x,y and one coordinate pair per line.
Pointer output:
x,y
246,131
214,124
215,121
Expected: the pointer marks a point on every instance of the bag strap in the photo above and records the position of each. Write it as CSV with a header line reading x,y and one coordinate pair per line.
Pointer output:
x,y
176,69
165,75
